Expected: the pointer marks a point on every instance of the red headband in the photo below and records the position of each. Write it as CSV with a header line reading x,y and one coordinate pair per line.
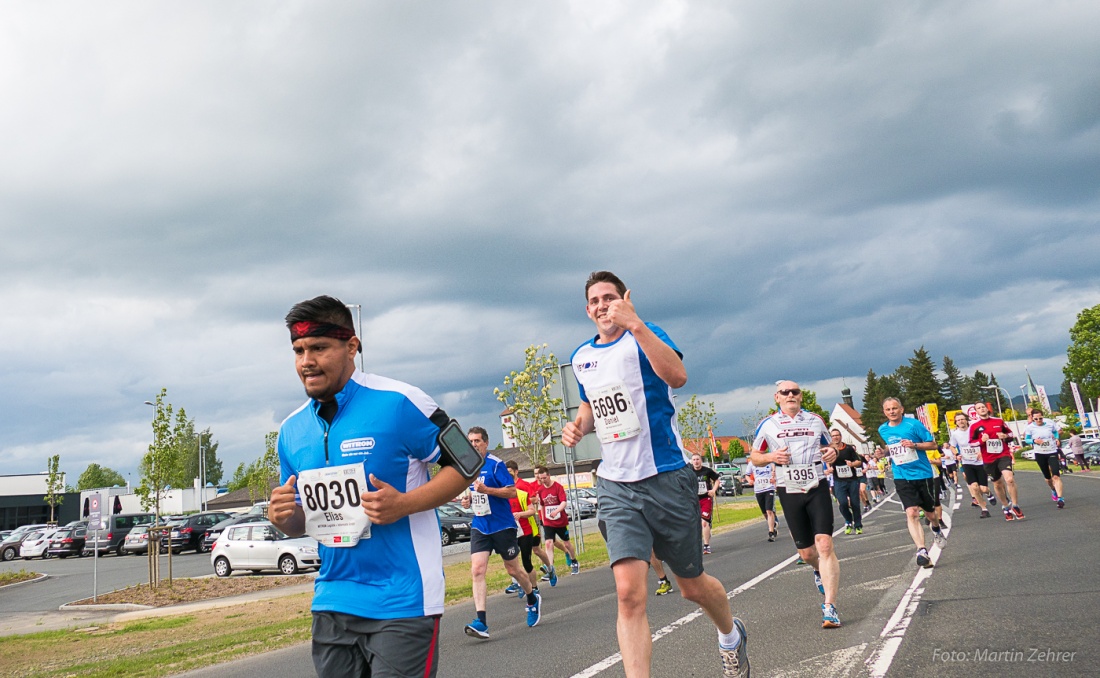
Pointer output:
x,y
310,328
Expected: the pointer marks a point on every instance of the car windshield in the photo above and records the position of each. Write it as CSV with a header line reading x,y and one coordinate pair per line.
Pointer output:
x,y
140,529
61,534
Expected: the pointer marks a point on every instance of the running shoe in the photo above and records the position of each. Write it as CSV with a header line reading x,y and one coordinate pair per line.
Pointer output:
x,y
817,581
829,617
534,613
992,498
800,561
735,661
772,535
1008,515
939,539
513,588
1017,512
553,578
521,595
985,514
664,587
847,529
1061,503
477,629
859,530
545,577
974,503
1053,495
923,560
575,568
706,550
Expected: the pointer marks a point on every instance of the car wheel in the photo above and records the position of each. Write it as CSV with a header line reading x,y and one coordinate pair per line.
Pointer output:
x,y
118,550
9,554
287,564
202,548
447,537
222,568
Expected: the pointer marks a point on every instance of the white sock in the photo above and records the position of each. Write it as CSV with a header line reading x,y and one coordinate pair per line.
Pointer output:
x,y
730,640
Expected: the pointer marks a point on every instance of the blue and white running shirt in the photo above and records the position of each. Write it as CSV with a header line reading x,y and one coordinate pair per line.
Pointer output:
x,y
914,464
632,406
499,511
383,425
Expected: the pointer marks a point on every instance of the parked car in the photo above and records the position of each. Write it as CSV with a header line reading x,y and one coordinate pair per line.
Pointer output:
x,y
215,531
261,546
258,509
114,531
68,541
4,534
730,486
587,509
189,533
585,496
454,523
137,541
37,544
9,549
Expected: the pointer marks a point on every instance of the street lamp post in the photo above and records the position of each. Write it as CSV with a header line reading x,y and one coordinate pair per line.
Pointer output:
x,y
997,391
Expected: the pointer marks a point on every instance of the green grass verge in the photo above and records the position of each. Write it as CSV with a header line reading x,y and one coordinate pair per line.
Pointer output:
x,y
16,577
228,641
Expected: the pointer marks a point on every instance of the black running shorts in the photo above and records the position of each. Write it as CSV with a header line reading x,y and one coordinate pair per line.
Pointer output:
x,y
975,474
914,493
998,466
503,542
808,514
1049,464
766,500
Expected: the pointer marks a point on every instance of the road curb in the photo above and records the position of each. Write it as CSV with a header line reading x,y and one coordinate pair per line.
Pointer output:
x,y
113,607
39,578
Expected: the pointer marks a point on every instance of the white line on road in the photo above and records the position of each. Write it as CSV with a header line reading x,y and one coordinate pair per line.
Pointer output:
x,y
894,631
614,659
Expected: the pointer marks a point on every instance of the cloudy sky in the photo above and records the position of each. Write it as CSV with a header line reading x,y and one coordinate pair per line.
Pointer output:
x,y
791,190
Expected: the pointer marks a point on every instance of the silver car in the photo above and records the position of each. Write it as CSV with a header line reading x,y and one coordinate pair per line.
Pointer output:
x,y
261,546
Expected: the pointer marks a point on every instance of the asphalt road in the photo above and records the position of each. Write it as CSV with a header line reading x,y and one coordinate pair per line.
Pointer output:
x,y
72,578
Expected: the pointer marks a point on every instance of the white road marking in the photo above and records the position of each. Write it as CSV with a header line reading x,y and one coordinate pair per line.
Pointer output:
x,y
894,632
614,659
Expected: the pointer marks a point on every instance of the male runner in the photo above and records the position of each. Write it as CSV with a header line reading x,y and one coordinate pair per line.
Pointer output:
x,y
973,468
555,521
706,480
846,483
354,462
991,435
648,503
907,443
797,442
763,485
525,508
664,586
1044,438
948,466
494,529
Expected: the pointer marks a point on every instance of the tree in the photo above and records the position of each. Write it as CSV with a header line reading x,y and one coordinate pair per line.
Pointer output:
x,y
1083,353
535,413
265,472
696,420
159,464
239,481
96,476
951,386
189,456
871,415
55,484
735,450
919,382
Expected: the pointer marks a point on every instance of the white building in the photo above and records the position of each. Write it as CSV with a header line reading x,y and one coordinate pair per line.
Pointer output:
x,y
846,419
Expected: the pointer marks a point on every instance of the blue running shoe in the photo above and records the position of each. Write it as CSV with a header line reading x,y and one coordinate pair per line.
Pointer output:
x,y
534,613
553,576
476,629
817,580
513,588
829,617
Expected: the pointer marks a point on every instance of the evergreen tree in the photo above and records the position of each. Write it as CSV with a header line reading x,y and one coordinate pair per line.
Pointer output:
x,y
871,414
951,386
921,385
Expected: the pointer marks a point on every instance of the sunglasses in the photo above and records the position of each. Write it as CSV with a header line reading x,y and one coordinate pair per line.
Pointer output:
x,y
790,391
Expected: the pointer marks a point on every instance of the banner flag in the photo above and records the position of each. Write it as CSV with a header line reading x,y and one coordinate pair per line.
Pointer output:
x,y
1077,401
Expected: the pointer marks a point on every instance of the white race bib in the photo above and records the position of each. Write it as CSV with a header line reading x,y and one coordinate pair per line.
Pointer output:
x,y
859,472
763,483
479,503
872,471
799,477
994,446
1044,446
900,454
330,498
614,414
703,486
971,455
844,471
550,512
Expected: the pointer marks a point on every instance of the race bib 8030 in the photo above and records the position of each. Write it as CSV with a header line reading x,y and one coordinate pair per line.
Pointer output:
x,y
331,501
